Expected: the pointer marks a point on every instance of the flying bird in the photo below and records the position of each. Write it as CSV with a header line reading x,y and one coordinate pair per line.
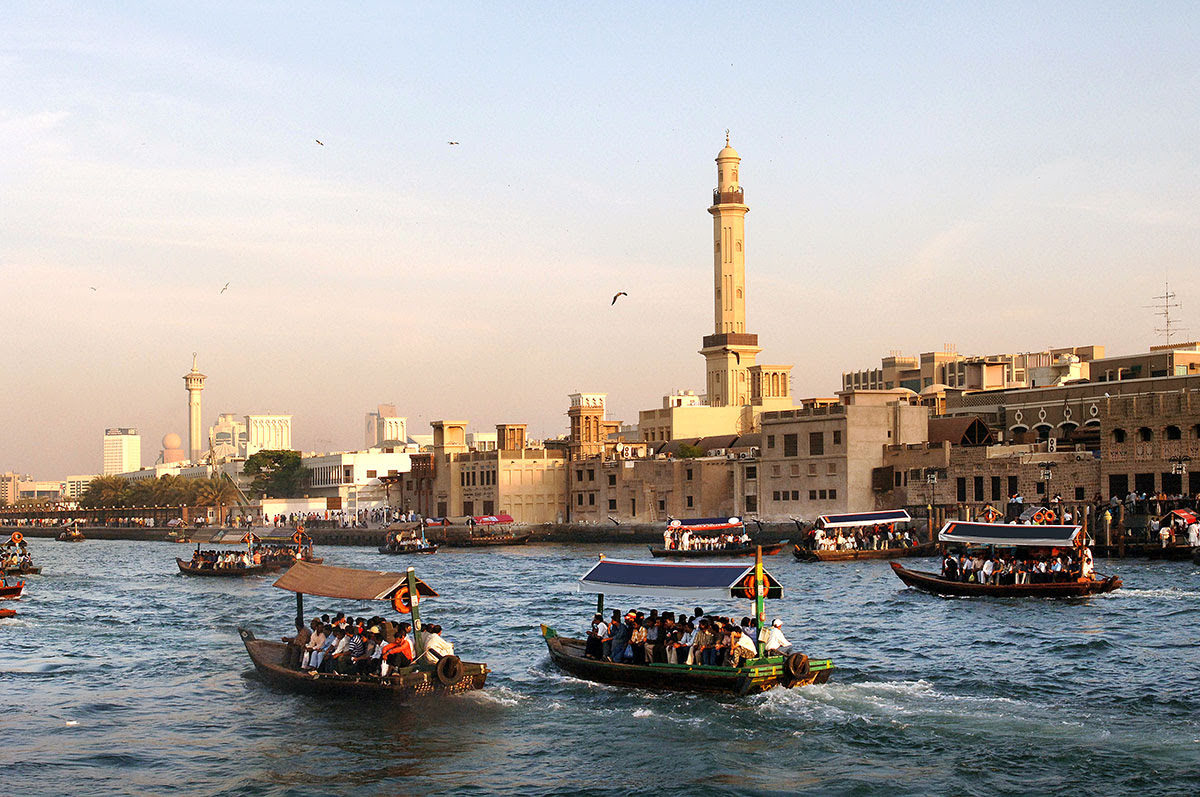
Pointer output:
x,y
319,141
736,356
617,296
452,143
91,287
224,289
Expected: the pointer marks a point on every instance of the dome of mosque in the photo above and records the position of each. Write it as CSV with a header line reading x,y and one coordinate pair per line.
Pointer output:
x,y
172,440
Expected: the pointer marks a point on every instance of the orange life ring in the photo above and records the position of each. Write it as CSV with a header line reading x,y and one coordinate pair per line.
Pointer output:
x,y
298,537
16,537
748,586
402,601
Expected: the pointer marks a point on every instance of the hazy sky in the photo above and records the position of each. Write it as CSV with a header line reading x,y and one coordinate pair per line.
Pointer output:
x,y
1003,177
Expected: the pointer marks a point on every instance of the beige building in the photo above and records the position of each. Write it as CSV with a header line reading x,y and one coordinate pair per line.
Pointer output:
x,y
515,478
122,451
821,459
1180,359
268,433
193,382
385,425
950,369
8,487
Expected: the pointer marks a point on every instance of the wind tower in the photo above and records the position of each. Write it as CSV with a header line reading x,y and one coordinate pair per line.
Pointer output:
x,y
730,351
194,382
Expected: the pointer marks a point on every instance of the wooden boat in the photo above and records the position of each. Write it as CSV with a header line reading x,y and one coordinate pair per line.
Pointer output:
x,y
450,675
880,522
718,553
72,535
191,568
698,581
22,570
932,582
722,538
484,540
11,588
807,555
1003,535
8,613
406,541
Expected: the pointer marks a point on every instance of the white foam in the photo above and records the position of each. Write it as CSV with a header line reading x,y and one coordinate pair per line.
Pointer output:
x,y
643,712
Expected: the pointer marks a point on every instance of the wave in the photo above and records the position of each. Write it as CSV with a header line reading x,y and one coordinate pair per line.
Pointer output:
x,y
1169,593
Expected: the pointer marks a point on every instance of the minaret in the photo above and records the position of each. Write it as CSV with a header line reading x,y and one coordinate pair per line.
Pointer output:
x,y
730,350
194,382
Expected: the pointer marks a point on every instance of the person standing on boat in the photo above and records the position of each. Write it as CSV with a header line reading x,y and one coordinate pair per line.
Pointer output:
x,y
620,640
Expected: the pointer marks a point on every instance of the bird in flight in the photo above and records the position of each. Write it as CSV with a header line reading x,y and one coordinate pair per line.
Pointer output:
x,y
452,143
319,141
736,356
224,289
91,287
618,296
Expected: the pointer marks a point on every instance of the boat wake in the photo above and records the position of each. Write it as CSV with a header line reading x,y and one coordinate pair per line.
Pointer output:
x,y
1168,593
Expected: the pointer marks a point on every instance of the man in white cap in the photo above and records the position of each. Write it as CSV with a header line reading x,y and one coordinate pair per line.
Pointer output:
x,y
774,641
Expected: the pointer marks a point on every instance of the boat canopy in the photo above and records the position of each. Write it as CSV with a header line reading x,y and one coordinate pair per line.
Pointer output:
x,y
863,519
1186,515
691,580
346,582
707,523
1035,536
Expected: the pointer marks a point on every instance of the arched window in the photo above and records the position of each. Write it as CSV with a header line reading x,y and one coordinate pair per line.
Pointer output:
x,y
1196,430
1145,435
1043,431
783,385
1174,433
1118,435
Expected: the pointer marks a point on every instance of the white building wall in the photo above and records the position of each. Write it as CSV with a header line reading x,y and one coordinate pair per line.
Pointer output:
x,y
122,451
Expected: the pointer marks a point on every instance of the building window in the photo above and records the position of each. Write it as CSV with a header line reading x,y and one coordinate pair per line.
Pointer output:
x,y
899,475
977,483
823,494
662,505
1079,494
1174,433
1041,488
795,470
812,495
775,496
688,501
832,469
689,474
752,503
612,480
837,437
960,488
771,437
833,495
751,473
1012,485
816,443
1118,435
996,488
612,505
774,470
371,474
795,495
591,499
591,475
578,475
791,446
1145,435
579,499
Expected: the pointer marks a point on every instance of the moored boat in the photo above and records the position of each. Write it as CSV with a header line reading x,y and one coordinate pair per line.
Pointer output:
x,y
1000,535
405,540
858,530
450,675
710,538
482,531
690,582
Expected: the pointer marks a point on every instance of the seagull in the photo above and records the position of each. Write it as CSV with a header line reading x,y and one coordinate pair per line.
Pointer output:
x,y
224,289
91,287
617,296
736,356
452,143
319,141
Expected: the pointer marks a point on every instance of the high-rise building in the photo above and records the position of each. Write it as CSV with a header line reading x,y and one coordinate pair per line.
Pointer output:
x,y
194,382
268,433
73,486
8,487
122,451
385,426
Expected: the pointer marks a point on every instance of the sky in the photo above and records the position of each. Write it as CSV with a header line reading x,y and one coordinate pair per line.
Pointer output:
x,y
996,176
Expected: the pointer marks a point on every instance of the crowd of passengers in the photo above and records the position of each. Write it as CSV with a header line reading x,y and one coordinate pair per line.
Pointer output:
x,y
1038,568
874,538
262,554
356,646
670,638
677,539
16,556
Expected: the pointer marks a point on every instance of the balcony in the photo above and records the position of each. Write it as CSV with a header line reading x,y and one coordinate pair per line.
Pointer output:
x,y
737,197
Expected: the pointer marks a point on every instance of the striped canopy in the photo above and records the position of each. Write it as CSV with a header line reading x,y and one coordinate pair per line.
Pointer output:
x,y
1008,534
863,519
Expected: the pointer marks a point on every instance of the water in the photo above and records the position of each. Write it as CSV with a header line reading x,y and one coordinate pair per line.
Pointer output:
x,y
120,676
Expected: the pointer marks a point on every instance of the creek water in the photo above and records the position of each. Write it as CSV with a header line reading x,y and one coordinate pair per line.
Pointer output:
x,y
121,676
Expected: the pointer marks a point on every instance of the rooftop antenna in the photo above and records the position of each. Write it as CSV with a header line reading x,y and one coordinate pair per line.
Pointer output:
x,y
1163,306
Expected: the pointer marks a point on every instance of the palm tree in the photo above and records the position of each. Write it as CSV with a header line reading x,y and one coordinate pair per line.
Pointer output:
x,y
104,491
216,491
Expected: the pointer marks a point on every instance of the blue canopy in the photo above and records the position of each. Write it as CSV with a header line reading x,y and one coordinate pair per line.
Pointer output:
x,y
1007,534
863,519
698,580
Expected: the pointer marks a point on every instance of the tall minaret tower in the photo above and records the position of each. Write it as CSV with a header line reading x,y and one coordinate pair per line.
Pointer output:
x,y
194,382
730,351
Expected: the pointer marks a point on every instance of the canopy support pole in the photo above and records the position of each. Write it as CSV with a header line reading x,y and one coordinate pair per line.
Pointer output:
x,y
759,591
418,648
300,607
600,604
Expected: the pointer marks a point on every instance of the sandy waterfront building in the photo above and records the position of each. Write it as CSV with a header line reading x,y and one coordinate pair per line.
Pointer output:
x,y
268,433
385,425
122,450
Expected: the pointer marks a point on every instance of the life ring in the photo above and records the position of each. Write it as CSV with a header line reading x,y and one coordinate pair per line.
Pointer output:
x,y
449,670
1049,517
748,586
402,601
16,538
797,666
298,537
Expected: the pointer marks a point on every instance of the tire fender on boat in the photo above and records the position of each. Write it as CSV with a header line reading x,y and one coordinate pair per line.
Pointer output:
x,y
797,667
449,670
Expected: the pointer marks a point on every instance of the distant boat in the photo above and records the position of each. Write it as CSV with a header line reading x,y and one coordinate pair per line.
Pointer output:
x,y
710,538
880,522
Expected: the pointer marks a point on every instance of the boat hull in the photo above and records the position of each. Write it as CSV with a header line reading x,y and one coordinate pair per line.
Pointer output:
x,y
487,541
8,613
10,592
408,683
806,555
933,583
723,553
567,655
23,571
401,551
188,569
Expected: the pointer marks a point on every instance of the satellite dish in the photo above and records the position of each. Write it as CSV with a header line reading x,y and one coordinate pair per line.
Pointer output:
x,y
676,523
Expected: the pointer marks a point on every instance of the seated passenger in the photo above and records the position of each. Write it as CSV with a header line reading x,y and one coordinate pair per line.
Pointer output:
x,y
741,648
436,647
399,653
774,641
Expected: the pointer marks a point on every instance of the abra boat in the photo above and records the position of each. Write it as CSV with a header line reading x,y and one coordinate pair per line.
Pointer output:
x,y
404,540
689,582
710,538
8,613
15,552
496,531
70,535
1001,535
882,522
194,568
11,588
450,675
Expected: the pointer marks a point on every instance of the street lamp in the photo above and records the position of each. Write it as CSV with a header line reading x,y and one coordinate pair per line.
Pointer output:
x,y
1047,477
931,478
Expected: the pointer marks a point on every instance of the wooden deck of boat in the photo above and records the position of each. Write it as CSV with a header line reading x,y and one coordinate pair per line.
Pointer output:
x,y
934,583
